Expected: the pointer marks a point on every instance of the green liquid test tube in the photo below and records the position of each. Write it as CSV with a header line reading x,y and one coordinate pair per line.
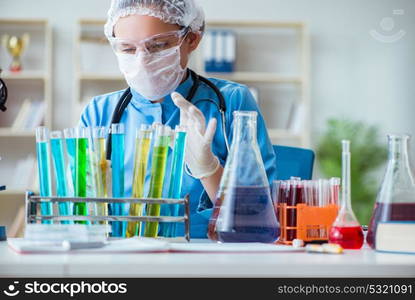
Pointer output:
x,y
43,162
99,135
58,158
158,169
81,161
142,151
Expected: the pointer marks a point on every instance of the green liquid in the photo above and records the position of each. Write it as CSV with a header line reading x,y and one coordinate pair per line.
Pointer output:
x,y
158,170
81,162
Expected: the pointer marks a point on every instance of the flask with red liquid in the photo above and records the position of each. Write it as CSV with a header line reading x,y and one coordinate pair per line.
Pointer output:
x,y
396,197
243,209
346,229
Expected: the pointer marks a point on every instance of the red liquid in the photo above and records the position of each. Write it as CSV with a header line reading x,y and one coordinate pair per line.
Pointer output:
x,y
389,212
347,237
290,195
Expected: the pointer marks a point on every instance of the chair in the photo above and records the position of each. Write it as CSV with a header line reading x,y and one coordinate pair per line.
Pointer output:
x,y
294,162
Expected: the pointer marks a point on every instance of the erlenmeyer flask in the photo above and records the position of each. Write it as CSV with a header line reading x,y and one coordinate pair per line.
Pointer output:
x,y
396,197
243,209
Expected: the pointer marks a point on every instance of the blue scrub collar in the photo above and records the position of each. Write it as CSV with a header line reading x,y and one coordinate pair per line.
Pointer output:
x,y
183,89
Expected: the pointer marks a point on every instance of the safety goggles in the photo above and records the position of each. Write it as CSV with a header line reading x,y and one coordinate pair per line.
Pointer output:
x,y
152,45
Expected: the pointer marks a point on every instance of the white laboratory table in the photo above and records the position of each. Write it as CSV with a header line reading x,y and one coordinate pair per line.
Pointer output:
x,y
353,263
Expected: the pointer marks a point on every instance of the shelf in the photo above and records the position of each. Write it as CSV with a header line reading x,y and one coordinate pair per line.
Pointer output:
x,y
42,22
8,132
257,77
25,75
283,134
255,24
100,76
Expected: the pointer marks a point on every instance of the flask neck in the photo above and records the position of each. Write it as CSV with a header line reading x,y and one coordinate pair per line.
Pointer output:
x,y
398,148
346,202
245,129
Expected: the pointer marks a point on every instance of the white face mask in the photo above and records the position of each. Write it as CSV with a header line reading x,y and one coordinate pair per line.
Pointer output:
x,y
153,76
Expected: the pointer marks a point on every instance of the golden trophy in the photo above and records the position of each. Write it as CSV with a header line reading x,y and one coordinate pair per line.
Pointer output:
x,y
15,46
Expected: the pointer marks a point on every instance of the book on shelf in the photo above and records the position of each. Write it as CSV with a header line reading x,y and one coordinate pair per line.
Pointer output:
x,y
30,115
25,173
219,53
296,117
36,116
22,115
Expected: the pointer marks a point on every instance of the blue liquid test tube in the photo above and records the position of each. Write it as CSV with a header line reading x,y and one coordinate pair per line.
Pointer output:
x,y
176,179
43,163
117,164
70,139
56,143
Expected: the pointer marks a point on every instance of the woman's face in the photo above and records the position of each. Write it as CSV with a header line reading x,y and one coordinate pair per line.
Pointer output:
x,y
137,27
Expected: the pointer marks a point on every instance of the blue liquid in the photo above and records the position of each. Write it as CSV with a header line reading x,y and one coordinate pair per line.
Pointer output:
x,y
45,186
60,178
175,188
71,150
251,219
117,163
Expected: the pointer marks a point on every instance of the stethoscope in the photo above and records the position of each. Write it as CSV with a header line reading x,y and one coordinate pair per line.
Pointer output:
x,y
3,95
125,99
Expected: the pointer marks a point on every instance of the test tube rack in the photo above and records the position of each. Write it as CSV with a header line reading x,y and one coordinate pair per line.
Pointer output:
x,y
312,223
32,203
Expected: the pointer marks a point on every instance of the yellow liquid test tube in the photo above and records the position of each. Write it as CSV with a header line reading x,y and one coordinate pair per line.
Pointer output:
x,y
100,164
142,151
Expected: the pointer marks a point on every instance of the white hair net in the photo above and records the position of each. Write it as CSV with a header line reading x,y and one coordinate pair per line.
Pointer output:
x,y
181,12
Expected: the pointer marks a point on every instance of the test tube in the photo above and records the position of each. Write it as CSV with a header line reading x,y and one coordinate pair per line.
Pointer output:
x,y
100,166
142,151
117,164
334,190
158,168
175,188
70,139
292,211
58,159
43,161
81,162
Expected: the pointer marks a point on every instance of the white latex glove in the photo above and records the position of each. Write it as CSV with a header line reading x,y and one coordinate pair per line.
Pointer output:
x,y
199,157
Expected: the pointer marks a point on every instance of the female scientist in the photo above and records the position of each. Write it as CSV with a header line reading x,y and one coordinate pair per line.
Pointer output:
x,y
153,40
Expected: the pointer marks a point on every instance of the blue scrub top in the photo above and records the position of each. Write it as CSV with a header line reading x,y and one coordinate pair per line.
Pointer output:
x,y
142,111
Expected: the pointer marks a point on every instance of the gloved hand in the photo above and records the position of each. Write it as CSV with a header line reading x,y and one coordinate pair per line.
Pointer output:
x,y
199,157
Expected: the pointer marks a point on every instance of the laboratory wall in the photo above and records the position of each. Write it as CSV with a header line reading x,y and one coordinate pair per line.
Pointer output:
x,y
353,74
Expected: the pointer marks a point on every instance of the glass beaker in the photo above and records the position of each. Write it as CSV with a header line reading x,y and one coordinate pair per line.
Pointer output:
x,y
243,209
396,197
